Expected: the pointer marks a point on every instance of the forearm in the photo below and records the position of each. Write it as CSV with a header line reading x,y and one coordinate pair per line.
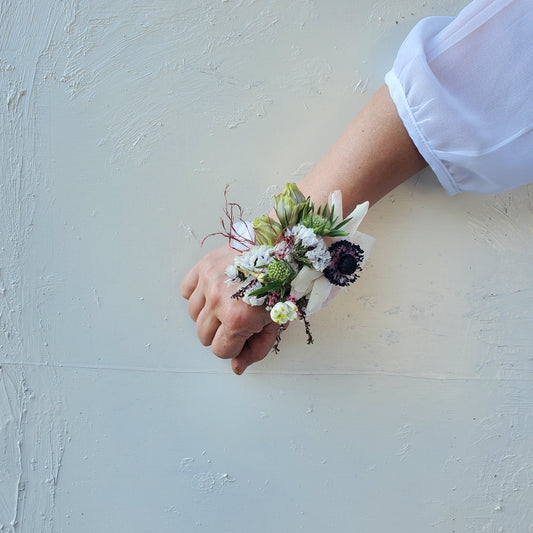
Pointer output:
x,y
373,156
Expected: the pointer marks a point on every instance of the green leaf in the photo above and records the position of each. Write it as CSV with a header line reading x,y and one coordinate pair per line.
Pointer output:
x,y
272,286
337,233
345,221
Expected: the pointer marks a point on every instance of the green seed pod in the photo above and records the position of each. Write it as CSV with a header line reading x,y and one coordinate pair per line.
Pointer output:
x,y
279,271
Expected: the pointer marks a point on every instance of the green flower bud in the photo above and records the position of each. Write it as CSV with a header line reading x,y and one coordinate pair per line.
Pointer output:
x,y
323,222
279,270
319,224
267,230
289,205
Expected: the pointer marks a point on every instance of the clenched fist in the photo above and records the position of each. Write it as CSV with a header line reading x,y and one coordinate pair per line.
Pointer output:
x,y
233,329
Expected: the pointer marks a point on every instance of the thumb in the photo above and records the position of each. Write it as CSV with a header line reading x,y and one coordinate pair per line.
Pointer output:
x,y
256,348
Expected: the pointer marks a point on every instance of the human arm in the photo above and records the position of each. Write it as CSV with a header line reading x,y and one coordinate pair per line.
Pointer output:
x,y
461,87
371,157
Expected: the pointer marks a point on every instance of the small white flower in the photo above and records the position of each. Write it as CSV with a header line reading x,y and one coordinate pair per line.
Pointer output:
x,y
319,256
262,255
256,256
284,312
306,236
252,300
282,249
232,272
243,261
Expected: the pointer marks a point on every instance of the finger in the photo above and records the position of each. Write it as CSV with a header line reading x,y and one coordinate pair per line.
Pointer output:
x,y
207,325
228,343
256,348
196,304
238,323
189,283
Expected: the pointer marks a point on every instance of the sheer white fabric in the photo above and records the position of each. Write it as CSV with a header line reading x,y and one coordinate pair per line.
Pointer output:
x,y
464,89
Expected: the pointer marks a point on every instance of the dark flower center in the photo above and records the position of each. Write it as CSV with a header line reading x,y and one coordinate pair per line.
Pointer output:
x,y
346,259
347,264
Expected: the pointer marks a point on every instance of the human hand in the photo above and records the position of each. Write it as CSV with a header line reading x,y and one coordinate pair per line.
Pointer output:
x,y
233,329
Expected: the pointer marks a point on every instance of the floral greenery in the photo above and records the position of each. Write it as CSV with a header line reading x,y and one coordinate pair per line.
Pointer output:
x,y
281,259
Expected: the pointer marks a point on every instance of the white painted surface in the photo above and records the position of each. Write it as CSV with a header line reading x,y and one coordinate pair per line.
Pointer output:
x,y
122,121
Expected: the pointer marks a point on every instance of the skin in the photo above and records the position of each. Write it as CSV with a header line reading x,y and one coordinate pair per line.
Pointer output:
x,y
373,156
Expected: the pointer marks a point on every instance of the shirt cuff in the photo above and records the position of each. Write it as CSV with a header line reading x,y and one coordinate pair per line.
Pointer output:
x,y
421,143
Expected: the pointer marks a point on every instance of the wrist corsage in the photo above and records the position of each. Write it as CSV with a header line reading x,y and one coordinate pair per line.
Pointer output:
x,y
295,265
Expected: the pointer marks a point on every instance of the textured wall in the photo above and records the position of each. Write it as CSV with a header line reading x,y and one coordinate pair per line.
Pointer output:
x,y
122,122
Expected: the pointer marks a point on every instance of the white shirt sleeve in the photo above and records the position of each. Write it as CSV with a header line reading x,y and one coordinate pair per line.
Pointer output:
x,y
463,88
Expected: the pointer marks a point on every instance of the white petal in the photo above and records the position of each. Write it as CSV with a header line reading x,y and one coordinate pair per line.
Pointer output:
x,y
292,311
232,272
319,294
366,242
335,202
356,216
302,282
245,230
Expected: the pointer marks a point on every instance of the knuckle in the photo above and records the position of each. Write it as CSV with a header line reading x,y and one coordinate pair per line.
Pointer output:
x,y
237,319
212,295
